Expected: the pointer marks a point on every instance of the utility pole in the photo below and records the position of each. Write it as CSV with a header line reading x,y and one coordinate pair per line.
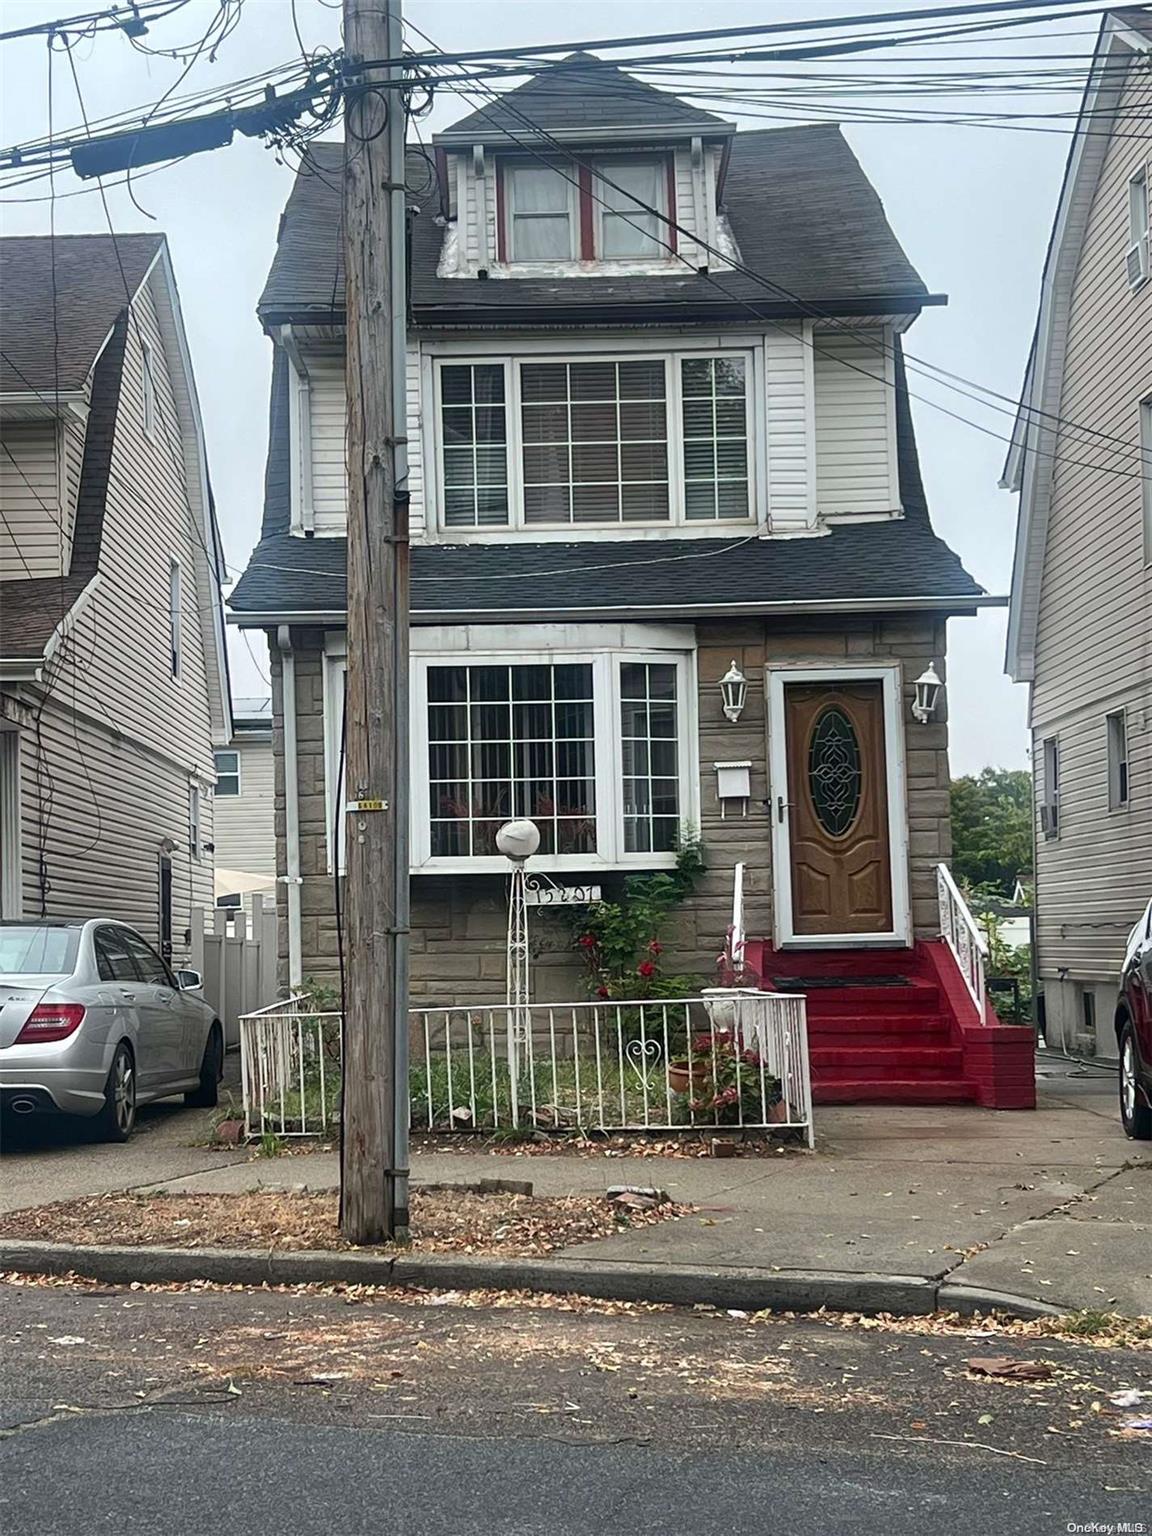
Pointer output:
x,y
374,1143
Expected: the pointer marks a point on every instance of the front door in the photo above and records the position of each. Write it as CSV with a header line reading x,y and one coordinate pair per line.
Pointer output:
x,y
833,762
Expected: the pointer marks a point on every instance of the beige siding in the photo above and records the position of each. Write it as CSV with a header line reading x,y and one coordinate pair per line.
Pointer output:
x,y
35,530
96,807
1094,640
245,827
118,669
855,425
788,428
327,429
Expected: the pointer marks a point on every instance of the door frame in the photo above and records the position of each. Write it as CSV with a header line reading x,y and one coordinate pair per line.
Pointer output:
x,y
890,676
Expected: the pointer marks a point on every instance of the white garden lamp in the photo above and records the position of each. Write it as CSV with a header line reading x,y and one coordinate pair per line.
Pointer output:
x,y
517,841
928,686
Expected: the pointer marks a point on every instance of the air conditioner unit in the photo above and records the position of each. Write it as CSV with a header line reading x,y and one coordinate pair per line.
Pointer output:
x,y
1137,262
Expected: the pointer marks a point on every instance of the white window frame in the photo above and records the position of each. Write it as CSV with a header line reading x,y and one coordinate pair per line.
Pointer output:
x,y
508,171
147,390
1050,818
227,773
1119,760
605,647
602,166
1138,187
175,634
195,828
674,406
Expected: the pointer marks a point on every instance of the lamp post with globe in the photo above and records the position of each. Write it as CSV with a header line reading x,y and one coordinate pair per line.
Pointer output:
x,y
517,841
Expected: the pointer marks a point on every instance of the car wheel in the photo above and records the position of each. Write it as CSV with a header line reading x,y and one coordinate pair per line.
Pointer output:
x,y
207,1093
1135,1114
117,1120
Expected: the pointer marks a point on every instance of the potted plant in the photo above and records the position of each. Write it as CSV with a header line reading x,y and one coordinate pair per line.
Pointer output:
x,y
722,1080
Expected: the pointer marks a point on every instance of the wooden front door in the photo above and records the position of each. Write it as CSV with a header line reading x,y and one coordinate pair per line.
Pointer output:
x,y
837,812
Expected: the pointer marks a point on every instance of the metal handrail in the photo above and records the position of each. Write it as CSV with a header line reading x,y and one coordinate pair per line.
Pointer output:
x,y
961,933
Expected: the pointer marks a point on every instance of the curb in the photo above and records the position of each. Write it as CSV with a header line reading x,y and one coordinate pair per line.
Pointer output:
x,y
751,1290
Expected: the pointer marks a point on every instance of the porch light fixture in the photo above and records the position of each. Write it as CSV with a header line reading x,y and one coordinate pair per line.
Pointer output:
x,y
734,692
928,687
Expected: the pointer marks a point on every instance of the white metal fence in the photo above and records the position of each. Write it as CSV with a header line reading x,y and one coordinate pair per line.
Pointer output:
x,y
725,1060
235,953
960,932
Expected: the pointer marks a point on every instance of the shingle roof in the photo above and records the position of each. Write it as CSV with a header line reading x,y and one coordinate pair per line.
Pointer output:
x,y
43,348
30,612
869,562
580,94
806,219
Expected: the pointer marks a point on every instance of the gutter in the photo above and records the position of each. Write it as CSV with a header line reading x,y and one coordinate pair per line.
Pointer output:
x,y
960,603
291,876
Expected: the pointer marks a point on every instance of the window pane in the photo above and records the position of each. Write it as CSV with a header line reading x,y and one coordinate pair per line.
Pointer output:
x,y
473,429
630,187
510,741
574,419
540,238
538,189
649,756
715,427
632,235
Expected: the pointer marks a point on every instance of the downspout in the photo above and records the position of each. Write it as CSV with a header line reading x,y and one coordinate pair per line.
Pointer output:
x,y
398,306
291,875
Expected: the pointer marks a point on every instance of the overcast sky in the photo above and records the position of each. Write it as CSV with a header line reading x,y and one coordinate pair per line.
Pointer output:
x,y
972,207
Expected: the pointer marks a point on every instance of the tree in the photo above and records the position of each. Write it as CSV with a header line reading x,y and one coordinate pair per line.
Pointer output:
x,y
992,828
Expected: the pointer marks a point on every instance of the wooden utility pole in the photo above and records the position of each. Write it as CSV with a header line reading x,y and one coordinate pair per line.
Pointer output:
x,y
373,1189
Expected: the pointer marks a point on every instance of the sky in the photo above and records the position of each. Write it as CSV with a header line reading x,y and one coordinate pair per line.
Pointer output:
x,y
972,207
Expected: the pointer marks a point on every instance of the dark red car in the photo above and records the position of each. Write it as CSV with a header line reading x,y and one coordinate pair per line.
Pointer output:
x,y
1134,1031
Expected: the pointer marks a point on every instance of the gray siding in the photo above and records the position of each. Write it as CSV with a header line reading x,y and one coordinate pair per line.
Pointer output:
x,y
35,532
1092,647
856,468
245,826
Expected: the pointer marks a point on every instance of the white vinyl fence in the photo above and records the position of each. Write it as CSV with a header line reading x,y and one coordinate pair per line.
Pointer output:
x,y
236,955
733,1059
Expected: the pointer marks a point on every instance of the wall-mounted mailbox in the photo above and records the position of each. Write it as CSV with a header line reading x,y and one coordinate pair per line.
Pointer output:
x,y
733,783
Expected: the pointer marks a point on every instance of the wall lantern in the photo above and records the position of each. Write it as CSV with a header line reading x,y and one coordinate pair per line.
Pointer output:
x,y
928,687
734,691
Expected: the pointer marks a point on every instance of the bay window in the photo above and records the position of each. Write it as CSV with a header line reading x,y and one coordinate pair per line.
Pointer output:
x,y
595,745
654,439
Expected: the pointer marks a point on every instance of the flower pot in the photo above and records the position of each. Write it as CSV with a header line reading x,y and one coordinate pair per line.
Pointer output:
x,y
682,1077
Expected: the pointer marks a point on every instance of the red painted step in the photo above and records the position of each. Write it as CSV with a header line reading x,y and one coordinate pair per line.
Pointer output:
x,y
878,1091
825,1003
904,1061
881,1029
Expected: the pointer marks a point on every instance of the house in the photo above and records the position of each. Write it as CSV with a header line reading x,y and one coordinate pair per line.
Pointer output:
x,y
1081,614
244,807
113,671
658,433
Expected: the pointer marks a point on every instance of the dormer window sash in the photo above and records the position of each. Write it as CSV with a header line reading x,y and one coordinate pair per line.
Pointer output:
x,y
550,212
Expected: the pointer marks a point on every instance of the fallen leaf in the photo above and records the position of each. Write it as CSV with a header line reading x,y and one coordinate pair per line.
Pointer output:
x,y
1005,1366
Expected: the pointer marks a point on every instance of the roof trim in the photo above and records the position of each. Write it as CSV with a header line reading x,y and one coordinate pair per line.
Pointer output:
x,y
956,603
30,669
1029,465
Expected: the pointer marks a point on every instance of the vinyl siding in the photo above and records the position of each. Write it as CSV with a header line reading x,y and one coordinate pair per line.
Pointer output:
x,y
328,418
35,530
96,806
117,668
788,428
1092,645
855,426
245,824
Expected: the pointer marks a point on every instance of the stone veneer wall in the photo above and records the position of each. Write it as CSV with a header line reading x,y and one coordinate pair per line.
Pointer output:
x,y
458,922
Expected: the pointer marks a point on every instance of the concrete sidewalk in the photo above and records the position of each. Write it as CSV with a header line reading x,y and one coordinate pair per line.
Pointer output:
x,y
1054,1205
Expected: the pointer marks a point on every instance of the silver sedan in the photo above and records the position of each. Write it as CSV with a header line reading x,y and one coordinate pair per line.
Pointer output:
x,y
93,1022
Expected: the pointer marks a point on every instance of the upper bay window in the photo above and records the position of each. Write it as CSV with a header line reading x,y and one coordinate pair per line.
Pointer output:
x,y
616,209
650,440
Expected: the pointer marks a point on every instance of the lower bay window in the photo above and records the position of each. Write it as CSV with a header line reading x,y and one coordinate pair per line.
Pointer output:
x,y
654,440
594,746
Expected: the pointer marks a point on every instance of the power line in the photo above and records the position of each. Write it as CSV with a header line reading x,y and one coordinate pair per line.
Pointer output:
x,y
133,20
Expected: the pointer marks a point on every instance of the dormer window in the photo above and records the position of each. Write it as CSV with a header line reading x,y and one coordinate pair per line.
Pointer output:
x,y
617,209
541,213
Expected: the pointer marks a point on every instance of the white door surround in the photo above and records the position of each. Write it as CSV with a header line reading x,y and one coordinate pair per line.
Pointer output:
x,y
889,674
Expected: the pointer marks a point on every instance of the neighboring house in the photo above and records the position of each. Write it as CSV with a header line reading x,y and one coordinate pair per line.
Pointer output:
x,y
113,673
630,466
1081,616
245,807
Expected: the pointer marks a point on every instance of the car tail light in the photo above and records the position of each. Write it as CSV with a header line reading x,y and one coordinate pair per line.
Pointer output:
x,y
50,1021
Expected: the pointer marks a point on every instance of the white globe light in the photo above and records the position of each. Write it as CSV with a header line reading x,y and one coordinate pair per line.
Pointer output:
x,y
518,839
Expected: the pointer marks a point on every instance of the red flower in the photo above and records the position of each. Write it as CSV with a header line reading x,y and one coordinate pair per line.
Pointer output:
x,y
646,969
602,992
655,947
587,941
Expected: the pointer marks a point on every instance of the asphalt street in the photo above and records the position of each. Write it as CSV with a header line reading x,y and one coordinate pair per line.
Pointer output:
x,y
294,1413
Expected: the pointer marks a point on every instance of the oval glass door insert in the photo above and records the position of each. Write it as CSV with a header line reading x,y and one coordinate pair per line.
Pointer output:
x,y
834,770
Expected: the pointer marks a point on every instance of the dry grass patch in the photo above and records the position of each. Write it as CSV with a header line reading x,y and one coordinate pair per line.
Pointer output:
x,y
443,1220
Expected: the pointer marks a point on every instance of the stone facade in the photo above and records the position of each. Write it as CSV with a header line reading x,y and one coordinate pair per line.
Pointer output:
x,y
458,921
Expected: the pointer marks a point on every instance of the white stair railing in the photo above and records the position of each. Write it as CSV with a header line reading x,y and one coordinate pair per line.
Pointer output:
x,y
959,930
